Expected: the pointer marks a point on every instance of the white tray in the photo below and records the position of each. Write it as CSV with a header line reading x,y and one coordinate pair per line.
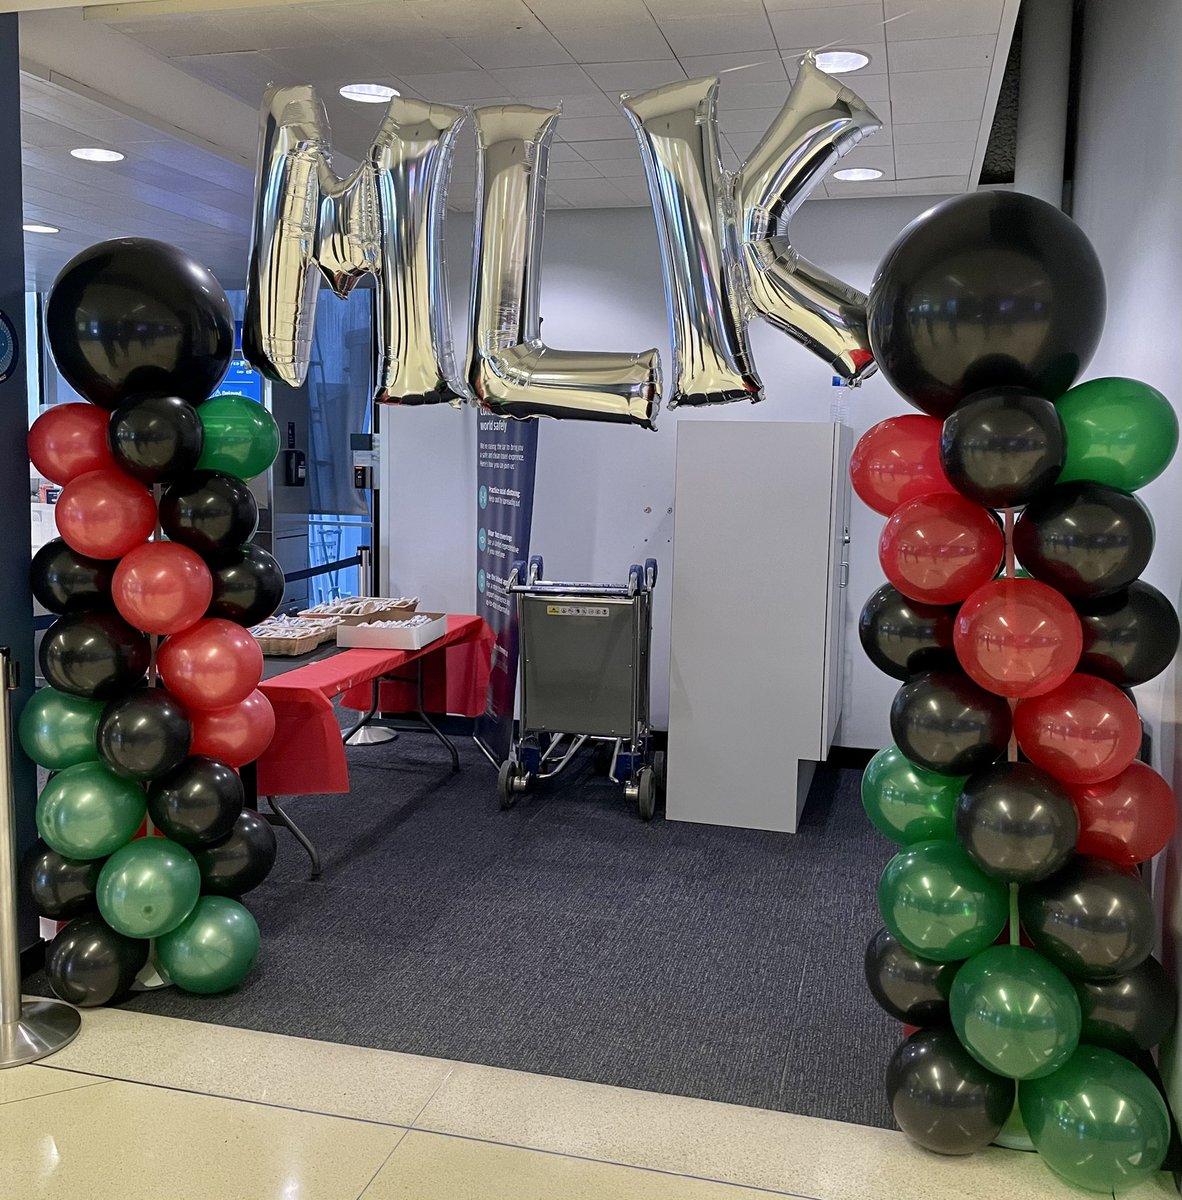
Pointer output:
x,y
374,637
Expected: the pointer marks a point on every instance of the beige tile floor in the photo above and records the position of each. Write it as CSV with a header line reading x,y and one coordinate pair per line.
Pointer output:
x,y
149,1108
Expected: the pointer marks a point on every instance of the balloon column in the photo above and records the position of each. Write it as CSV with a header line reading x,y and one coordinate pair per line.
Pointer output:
x,y
1017,929
152,701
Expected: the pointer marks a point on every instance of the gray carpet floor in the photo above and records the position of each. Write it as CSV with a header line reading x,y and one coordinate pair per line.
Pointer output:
x,y
568,938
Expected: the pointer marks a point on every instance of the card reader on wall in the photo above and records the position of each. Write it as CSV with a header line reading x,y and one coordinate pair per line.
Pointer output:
x,y
295,468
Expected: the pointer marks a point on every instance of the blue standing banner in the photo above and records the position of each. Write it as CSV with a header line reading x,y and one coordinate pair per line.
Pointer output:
x,y
506,457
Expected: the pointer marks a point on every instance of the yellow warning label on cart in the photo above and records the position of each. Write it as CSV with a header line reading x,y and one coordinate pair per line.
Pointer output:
x,y
577,610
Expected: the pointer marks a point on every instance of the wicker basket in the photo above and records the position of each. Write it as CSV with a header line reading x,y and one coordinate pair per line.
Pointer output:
x,y
288,637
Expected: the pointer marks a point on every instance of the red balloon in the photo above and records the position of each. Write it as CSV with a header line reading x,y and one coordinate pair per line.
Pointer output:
x,y
105,514
898,460
236,735
162,587
1127,819
1017,637
69,440
212,664
940,549
1084,731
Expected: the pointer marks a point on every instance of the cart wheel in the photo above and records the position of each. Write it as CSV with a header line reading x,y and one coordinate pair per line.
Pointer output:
x,y
646,794
506,779
517,574
659,770
535,568
601,758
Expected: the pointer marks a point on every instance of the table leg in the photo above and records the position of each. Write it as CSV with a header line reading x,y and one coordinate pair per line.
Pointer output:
x,y
455,757
298,834
364,734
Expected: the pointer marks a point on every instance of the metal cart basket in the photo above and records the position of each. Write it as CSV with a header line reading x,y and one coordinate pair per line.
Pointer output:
x,y
584,678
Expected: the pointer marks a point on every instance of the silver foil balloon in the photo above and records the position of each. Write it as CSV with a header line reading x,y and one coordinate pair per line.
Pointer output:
x,y
385,219
510,370
725,243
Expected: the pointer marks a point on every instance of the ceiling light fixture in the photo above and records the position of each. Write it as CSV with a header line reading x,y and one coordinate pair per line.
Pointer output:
x,y
34,227
841,62
94,154
369,93
857,174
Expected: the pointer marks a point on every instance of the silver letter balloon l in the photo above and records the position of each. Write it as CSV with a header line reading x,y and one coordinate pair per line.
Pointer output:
x,y
510,370
724,240
384,219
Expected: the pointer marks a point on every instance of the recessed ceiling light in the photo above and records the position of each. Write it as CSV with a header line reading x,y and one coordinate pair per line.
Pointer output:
x,y
33,227
841,62
368,93
94,154
857,174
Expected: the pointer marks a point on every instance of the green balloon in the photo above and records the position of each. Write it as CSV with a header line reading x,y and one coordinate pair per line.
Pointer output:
x,y
1098,1122
1013,1135
1119,432
1015,1013
213,947
57,730
87,811
241,437
939,903
908,803
148,888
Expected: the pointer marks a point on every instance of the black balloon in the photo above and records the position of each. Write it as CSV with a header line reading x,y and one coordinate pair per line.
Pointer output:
x,y
1003,447
1093,920
1128,637
144,735
61,887
903,637
198,802
95,655
65,581
247,586
1130,1013
942,1097
990,289
943,721
241,861
1085,539
88,963
209,512
134,315
1016,822
912,989
156,437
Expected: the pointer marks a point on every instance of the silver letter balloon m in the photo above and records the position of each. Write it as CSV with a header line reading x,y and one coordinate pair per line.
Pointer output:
x,y
724,240
510,370
385,219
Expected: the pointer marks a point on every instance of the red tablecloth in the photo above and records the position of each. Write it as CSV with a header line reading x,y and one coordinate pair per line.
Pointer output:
x,y
306,754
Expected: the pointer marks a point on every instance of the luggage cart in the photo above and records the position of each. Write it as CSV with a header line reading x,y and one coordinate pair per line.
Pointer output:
x,y
584,678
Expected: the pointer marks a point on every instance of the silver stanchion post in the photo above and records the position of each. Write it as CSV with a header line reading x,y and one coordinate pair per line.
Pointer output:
x,y
34,1028
364,571
368,735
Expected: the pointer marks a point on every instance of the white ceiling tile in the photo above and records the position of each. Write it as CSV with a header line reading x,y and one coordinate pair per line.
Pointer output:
x,y
613,148
742,67
244,75
911,19
635,189
454,87
934,158
936,131
257,27
561,152
603,41
578,169
700,8
634,76
588,191
591,129
568,80
621,168
746,120
938,95
396,56
593,104
822,26
744,142
360,21
718,34
512,50
934,54
942,185
463,18
839,189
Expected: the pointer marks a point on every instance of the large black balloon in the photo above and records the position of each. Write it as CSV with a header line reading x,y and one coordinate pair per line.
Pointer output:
x,y
95,655
135,315
1130,1013
1084,539
209,512
198,802
1128,637
942,1097
1093,920
61,887
1003,447
903,637
1016,822
156,437
241,861
990,289
65,581
943,721
144,735
247,586
913,990
88,963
